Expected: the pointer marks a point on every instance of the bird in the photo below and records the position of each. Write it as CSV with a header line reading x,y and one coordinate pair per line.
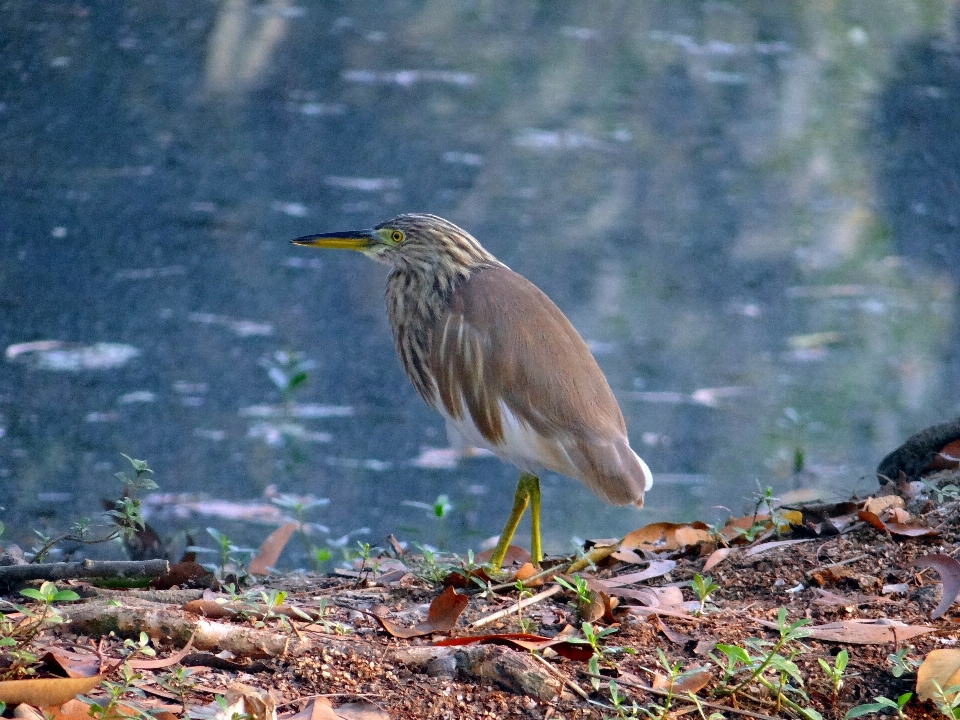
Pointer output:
x,y
500,362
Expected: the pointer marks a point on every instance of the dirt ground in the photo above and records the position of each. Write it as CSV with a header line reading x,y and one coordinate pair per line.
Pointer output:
x,y
342,638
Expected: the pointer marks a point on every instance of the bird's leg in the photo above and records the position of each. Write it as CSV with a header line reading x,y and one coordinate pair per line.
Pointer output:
x,y
528,491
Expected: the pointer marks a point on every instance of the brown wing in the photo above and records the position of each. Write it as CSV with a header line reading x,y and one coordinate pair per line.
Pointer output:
x,y
504,341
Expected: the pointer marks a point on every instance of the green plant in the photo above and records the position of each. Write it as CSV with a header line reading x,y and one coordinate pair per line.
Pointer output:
x,y
900,664
703,587
428,569
126,683
945,493
579,588
618,701
229,555
766,656
522,592
835,671
592,638
880,704
947,700
16,635
179,682
126,515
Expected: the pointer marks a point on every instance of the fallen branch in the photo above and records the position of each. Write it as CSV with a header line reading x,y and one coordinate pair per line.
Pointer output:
x,y
84,569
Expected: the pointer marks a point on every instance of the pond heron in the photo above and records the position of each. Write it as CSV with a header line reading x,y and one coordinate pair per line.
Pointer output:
x,y
497,359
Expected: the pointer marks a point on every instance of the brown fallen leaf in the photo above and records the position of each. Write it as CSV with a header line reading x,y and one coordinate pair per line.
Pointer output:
x,y
162,662
269,551
561,645
515,556
896,528
941,667
666,536
691,681
678,638
70,710
657,568
717,557
73,664
877,505
763,547
861,631
361,710
441,617
46,692
949,570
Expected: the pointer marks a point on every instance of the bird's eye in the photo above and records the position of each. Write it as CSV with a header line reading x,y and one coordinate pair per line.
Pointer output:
x,y
397,236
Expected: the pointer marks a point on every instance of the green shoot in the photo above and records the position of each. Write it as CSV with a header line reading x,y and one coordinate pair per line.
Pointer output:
x,y
879,705
703,587
835,671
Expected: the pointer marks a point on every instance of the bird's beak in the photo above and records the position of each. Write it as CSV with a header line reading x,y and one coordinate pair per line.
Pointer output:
x,y
350,240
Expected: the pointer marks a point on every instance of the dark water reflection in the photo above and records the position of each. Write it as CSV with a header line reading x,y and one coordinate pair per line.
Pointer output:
x,y
746,208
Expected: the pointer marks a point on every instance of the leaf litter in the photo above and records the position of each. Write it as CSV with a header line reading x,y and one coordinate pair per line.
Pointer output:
x,y
397,644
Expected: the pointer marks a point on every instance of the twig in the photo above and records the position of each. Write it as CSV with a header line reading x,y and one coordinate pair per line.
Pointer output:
x,y
552,590
664,693
84,569
563,678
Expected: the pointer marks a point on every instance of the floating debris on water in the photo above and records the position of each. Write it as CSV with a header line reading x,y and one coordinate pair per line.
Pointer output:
x,y
71,357
538,139
306,411
149,273
243,328
363,184
274,435
371,464
102,417
182,505
215,435
293,209
409,78
138,396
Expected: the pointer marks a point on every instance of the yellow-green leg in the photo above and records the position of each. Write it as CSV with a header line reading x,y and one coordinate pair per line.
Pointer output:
x,y
528,492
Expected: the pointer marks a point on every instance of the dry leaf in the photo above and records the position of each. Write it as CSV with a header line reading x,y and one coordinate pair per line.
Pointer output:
x,y
514,556
665,536
441,617
941,667
46,692
690,681
361,711
895,528
73,664
657,568
877,505
763,547
861,631
269,552
949,570
717,557
162,662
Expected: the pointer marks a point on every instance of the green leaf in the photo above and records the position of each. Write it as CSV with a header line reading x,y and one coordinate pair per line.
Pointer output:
x,y
868,709
735,653
34,594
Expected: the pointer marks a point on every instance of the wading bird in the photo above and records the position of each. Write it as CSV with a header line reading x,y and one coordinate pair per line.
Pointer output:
x,y
497,359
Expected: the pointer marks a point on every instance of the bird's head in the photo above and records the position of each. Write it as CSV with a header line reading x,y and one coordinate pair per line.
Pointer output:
x,y
416,241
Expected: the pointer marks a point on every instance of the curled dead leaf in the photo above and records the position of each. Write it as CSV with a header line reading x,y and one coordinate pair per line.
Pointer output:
x,y
269,551
46,692
949,570
441,617
939,667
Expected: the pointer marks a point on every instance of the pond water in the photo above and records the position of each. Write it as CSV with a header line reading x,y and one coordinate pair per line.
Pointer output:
x,y
750,210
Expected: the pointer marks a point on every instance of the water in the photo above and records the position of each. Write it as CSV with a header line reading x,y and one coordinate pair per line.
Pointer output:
x,y
745,208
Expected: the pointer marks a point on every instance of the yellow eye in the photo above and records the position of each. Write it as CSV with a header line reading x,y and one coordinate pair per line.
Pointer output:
x,y
397,236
